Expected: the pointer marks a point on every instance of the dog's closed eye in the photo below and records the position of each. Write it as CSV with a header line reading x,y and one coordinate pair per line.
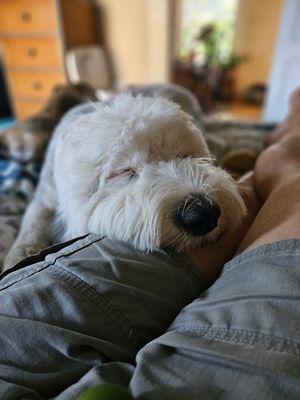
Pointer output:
x,y
131,173
181,155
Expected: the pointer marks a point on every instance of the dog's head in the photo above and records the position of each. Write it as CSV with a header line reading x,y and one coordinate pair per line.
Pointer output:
x,y
137,169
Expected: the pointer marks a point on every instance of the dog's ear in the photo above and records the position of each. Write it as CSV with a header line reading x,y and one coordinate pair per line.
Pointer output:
x,y
58,88
201,143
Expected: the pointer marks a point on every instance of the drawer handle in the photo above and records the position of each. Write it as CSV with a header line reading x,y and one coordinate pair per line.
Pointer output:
x,y
37,85
26,16
32,52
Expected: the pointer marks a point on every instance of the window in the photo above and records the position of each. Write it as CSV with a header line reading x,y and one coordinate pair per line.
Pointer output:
x,y
198,16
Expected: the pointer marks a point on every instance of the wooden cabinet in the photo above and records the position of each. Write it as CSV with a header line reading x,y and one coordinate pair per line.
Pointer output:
x,y
27,16
33,52
34,35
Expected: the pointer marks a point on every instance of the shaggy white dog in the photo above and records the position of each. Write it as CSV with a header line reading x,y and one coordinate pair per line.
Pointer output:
x,y
134,169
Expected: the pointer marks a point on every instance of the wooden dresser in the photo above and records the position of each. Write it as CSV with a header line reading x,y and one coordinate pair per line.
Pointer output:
x,y
34,35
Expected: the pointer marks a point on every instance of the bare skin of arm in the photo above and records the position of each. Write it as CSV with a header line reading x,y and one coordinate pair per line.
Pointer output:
x,y
210,259
277,182
272,196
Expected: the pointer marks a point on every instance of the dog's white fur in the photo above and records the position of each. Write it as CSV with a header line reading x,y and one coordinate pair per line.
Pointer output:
x,y
121,171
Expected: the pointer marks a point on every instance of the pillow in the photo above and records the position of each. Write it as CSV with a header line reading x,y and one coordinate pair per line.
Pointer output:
x,y
12,208
17,184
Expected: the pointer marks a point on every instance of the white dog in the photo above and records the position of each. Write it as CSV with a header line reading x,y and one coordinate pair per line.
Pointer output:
x,y
133,169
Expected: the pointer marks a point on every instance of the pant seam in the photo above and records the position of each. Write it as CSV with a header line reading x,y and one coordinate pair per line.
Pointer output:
x,y
288,247
109,310
45,264
241,336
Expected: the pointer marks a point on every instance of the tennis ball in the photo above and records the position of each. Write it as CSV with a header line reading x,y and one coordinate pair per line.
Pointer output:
x,y
106,391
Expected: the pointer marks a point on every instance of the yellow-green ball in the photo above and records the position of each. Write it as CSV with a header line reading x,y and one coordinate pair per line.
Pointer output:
x,y
107,391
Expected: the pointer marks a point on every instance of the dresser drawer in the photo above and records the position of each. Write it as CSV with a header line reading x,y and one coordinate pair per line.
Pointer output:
x,y
25,109
21,16
34,84
32,52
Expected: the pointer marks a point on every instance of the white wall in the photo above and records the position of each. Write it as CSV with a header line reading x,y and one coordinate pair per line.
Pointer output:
x,y
285,77
256,33
137,37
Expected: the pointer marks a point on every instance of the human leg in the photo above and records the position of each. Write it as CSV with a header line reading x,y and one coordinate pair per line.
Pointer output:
x,y
277,183
240,339
77,314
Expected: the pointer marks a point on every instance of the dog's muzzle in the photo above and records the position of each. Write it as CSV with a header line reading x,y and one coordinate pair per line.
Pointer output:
x,y
197,216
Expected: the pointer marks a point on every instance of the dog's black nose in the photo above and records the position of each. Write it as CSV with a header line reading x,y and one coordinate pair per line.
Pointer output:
x,y
197,216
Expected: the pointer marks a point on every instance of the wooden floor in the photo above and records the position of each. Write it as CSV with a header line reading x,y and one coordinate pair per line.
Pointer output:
x,y
238,110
